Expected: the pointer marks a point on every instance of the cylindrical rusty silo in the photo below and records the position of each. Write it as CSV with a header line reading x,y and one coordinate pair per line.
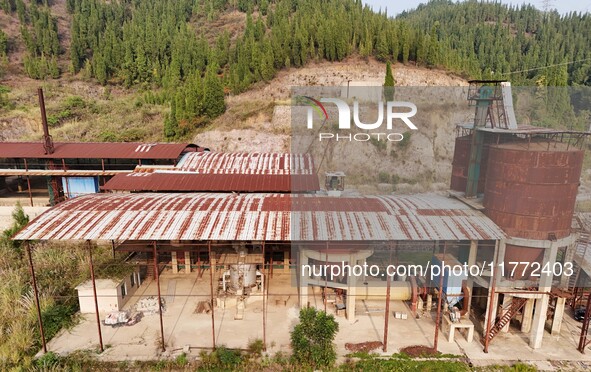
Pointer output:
x,y
531,188
461,162
515,254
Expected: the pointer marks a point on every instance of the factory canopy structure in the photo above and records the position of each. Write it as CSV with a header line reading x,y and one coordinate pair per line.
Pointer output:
x,y
95,150
260,217
224,172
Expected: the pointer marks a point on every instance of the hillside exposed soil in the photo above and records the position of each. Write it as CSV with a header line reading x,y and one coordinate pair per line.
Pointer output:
x,y
250,124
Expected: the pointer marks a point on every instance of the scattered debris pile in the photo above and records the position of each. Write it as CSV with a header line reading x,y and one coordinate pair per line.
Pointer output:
x,y
417,351
149,305
363,346
203,307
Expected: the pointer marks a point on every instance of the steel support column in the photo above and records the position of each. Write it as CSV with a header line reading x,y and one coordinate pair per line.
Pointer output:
x,y
36,292
29,184
157,277
325,277
491,301
211,270
264,284
96,308
439,300
387,311
585,328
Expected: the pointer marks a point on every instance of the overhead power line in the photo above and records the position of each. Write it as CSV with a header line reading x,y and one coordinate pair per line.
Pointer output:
x,y
548,66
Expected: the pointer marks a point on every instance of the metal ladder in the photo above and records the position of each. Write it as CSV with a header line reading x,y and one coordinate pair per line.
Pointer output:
x,y
516,305
580,252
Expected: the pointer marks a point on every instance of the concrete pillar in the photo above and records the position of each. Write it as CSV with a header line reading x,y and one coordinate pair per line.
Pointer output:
x,y
507,299
494,280
213,262
500,258
493,314
528,313
303,298
286,262
471,261
558,315
539,320
187,262
175,263
351,293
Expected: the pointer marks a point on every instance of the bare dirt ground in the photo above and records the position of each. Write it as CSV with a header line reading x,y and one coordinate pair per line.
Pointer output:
x,y
260,120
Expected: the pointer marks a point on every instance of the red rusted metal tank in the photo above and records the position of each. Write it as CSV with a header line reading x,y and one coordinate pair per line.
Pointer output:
x,y
461,161
514,253
531,188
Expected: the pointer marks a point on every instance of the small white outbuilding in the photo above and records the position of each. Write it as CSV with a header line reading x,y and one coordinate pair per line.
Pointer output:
x,y
111,294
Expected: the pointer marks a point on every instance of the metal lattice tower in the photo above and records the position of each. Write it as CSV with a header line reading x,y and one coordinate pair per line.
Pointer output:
x,y
547,5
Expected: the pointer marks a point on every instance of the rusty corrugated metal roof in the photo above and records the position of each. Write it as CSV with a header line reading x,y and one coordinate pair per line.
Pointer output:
x,y
246,163
270,217
193,182
234,171
95,150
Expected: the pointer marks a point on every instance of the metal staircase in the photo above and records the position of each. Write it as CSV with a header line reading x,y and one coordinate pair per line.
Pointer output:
x,y
580,253
516,305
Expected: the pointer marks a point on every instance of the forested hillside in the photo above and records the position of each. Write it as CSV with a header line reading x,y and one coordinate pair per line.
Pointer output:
x,y
189,53
520,43
156,41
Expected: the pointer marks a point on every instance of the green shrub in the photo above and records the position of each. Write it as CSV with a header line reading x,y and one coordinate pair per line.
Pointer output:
x,y
108,136
133,135
19,220
312,339
228,357
380,145
48,361
403,144
256,347
74,102
521,367
384,177
55,119
182,360
221,358
4,102
57,316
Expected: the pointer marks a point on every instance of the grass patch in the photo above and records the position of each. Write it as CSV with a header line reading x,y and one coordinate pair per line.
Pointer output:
x,y
58,316
401,365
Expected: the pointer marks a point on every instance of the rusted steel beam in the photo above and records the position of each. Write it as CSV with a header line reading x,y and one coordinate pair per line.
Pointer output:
x,y
36,292
325,276
96,308
29,184
47,140
387,310
265,285
439,300
585,328
211,270
157,277
491,301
